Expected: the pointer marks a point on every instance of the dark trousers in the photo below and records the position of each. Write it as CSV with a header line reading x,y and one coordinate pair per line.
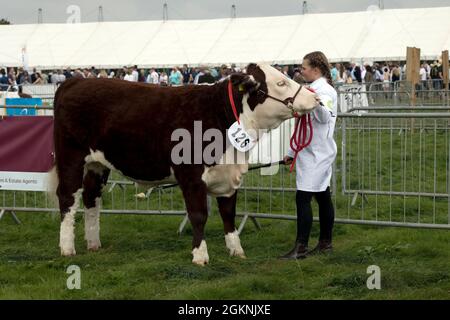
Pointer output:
x,y
305,217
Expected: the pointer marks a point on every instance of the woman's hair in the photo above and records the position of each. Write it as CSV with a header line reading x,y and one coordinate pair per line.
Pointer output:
x,y
318,60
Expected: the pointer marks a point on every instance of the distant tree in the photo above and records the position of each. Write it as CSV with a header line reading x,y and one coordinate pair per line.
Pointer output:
x,y
4,21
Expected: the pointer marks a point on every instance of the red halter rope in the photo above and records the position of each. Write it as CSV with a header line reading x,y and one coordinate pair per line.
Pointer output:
x,y
300,138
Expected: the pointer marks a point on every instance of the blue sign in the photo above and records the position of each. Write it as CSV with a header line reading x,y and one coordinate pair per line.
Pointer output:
x,y
34,102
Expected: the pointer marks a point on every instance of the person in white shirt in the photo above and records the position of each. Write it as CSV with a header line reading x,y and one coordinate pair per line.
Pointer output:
x,y
314,163
163,79
129,76
135,74
153,77
423,76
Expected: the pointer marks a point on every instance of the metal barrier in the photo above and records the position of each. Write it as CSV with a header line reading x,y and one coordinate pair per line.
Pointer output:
x,y
395,168
44,91
392,169
399,93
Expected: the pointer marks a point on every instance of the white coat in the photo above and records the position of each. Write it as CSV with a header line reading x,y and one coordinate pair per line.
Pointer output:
x,y
314,163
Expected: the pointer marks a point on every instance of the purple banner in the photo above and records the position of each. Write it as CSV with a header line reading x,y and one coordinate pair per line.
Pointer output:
x,y
26,144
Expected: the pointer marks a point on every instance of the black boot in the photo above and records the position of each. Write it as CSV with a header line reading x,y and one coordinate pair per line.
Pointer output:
x,y
298,252
324,246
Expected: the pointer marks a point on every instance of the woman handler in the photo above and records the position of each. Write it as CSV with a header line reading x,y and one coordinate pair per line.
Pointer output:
x,y
314,163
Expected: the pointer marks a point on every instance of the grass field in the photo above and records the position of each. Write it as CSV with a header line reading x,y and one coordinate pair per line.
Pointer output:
x,y
144,258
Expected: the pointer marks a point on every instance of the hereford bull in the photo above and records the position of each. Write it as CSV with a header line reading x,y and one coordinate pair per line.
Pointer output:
x,y
104,124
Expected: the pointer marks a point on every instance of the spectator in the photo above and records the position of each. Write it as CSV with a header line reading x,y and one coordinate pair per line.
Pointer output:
x,y
378,74
357,73
142,77
423,76
334,73
225,71
187,74
135,73
163,79
396,72
39,79
201,72
58,77
68,73
368,77
93,73
436,75
285,71
12,77
340,74
78,74
153,77
3,80
102,74
206,78
33,76
129,76
175,78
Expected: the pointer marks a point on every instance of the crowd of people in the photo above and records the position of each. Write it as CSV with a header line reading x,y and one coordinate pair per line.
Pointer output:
x,y
431,74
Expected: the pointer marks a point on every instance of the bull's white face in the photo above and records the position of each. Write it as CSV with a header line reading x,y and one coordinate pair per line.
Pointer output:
x,y
270,113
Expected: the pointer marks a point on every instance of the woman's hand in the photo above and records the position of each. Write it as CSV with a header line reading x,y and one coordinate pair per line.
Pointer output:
x,y
287,160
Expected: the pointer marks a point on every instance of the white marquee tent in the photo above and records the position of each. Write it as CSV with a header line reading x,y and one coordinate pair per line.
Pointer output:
x,y
353,36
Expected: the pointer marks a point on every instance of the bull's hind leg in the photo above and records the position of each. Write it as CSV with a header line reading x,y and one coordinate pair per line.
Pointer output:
x,y
194,193
95,177
69,193
227,209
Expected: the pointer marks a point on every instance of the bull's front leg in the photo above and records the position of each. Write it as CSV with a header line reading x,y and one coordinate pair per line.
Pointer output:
x,y
194,193
227,208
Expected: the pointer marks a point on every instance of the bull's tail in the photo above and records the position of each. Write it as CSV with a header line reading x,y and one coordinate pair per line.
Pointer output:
x,y
52,185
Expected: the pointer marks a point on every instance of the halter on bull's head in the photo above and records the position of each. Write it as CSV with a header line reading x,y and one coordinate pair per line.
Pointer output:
x,y
271,97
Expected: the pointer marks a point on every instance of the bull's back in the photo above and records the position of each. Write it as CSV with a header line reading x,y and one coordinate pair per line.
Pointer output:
x,y
130,123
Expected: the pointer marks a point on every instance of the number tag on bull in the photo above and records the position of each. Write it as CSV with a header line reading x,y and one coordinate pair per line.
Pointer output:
x,y
239,138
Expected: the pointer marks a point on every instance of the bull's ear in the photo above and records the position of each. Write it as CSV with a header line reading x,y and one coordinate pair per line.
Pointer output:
x,y
246,83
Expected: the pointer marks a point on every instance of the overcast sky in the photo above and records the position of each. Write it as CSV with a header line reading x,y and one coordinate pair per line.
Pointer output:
x,y
54,11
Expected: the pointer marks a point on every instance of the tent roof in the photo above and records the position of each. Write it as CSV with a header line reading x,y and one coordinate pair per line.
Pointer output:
x,y
351,36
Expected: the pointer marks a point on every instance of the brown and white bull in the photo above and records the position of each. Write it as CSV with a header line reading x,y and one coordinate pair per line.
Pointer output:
x,y
104,124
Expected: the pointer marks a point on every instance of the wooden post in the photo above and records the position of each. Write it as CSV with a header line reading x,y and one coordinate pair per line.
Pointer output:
x,y
412,74
445,66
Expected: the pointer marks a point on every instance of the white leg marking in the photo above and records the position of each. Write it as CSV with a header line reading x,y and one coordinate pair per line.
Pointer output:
x,y
200,254
66,235
92,226
234,244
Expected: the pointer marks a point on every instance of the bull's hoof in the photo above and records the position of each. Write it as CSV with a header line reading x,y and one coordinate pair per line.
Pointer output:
x,y
238,253
94,248
68,252
233,244
200,254
200,263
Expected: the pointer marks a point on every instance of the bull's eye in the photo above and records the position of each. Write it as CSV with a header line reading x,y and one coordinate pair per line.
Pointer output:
x,y
281,83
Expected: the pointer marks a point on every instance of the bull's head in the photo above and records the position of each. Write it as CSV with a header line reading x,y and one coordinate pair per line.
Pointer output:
x,y
271,97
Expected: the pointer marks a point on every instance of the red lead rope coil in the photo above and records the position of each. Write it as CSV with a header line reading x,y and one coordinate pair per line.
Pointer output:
x,y
300,138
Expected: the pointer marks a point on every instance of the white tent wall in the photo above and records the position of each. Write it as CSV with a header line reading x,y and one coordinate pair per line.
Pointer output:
x,y
351,36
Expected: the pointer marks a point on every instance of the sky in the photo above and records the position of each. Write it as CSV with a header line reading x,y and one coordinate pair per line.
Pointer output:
x,y
54,11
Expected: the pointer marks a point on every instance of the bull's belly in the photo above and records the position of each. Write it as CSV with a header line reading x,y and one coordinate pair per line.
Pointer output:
x,y
221,180
224,180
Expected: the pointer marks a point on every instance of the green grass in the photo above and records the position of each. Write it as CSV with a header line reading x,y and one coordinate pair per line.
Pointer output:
x,y
144,258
